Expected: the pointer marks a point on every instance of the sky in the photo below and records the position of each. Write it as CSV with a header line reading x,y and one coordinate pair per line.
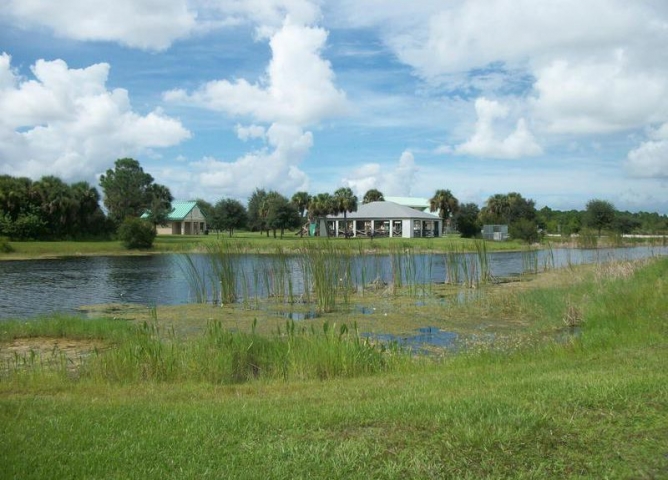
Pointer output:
x,y
562,101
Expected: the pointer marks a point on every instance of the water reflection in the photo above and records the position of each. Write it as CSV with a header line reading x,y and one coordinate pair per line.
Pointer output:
x,y
420,342
34,287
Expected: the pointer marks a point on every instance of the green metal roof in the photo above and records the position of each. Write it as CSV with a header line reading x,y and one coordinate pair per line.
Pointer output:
x,y
180,210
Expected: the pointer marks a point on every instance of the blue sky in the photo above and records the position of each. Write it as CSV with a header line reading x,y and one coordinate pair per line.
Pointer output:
x,y
560,100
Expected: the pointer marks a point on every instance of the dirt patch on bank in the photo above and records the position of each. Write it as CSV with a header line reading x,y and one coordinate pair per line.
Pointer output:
x,y
45,351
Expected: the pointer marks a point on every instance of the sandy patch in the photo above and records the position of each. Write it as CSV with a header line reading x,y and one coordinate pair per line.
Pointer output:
x,y
49,351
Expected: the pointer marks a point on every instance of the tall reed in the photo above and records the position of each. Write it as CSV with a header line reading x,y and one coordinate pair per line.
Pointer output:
x,y
326,268
483,261
587,239
221,356
530,260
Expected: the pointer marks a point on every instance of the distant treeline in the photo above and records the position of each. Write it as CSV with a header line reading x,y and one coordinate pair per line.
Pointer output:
x,y
50,209
623,222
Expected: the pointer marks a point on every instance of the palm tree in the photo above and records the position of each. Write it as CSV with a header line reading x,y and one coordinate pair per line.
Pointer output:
x,y
301,201
497,209
446,202
373,195
344,201
320,205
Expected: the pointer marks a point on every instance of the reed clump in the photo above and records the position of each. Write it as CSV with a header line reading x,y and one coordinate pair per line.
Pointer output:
x,y
153,352
587,239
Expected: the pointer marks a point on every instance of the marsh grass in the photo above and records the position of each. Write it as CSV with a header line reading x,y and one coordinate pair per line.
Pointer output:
x,y
153,352
587,239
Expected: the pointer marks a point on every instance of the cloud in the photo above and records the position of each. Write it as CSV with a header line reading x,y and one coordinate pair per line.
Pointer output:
x,y
267,15
649,160
297,91
438,38
601,96
485,143
155,24
144,24
392,181
250,132
65,122
273,167
299,88
582,68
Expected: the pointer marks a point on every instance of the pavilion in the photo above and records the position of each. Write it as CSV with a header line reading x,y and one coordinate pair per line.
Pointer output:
x,y
382,219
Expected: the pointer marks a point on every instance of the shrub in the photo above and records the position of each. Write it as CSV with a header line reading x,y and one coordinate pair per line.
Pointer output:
x,y
136,233
524,229
5,247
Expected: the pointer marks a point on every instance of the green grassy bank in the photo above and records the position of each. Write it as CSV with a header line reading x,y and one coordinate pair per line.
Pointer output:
x,y
591,403
241,241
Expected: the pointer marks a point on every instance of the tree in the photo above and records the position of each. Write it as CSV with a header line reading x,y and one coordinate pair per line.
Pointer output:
x,y
373,195
281,213
50,209
205,207
301,200
160,204
446,203
136,233
126,190
257,211
524,229
344,201
599,214
506,208
320,205
58,208
16,196
466,220
91,221
228,214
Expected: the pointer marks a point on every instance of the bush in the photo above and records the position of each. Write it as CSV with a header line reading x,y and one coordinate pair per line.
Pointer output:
x,y
136,233
5,247
524,229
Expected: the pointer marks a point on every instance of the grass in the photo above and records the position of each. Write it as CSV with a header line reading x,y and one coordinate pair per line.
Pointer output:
x,y
592,404
241,241
258,243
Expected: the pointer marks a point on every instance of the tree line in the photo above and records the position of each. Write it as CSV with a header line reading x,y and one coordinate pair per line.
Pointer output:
x,y
134,205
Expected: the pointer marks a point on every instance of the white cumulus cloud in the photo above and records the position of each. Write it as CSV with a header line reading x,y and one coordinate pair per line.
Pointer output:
x,y
299,87
486,143
601,96
583,68
65,122
395,180
145,24
650,159
273,167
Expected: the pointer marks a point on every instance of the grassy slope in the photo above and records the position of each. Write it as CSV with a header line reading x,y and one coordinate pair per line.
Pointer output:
x,y
592,408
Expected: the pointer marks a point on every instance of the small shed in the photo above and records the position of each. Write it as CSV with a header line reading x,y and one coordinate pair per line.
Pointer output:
x,y
382,219
498,233
185,219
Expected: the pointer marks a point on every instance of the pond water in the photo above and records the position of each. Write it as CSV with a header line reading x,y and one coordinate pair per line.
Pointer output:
x,y
31,288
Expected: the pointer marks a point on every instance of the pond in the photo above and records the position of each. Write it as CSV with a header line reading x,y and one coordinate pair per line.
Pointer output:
x,y
31,288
